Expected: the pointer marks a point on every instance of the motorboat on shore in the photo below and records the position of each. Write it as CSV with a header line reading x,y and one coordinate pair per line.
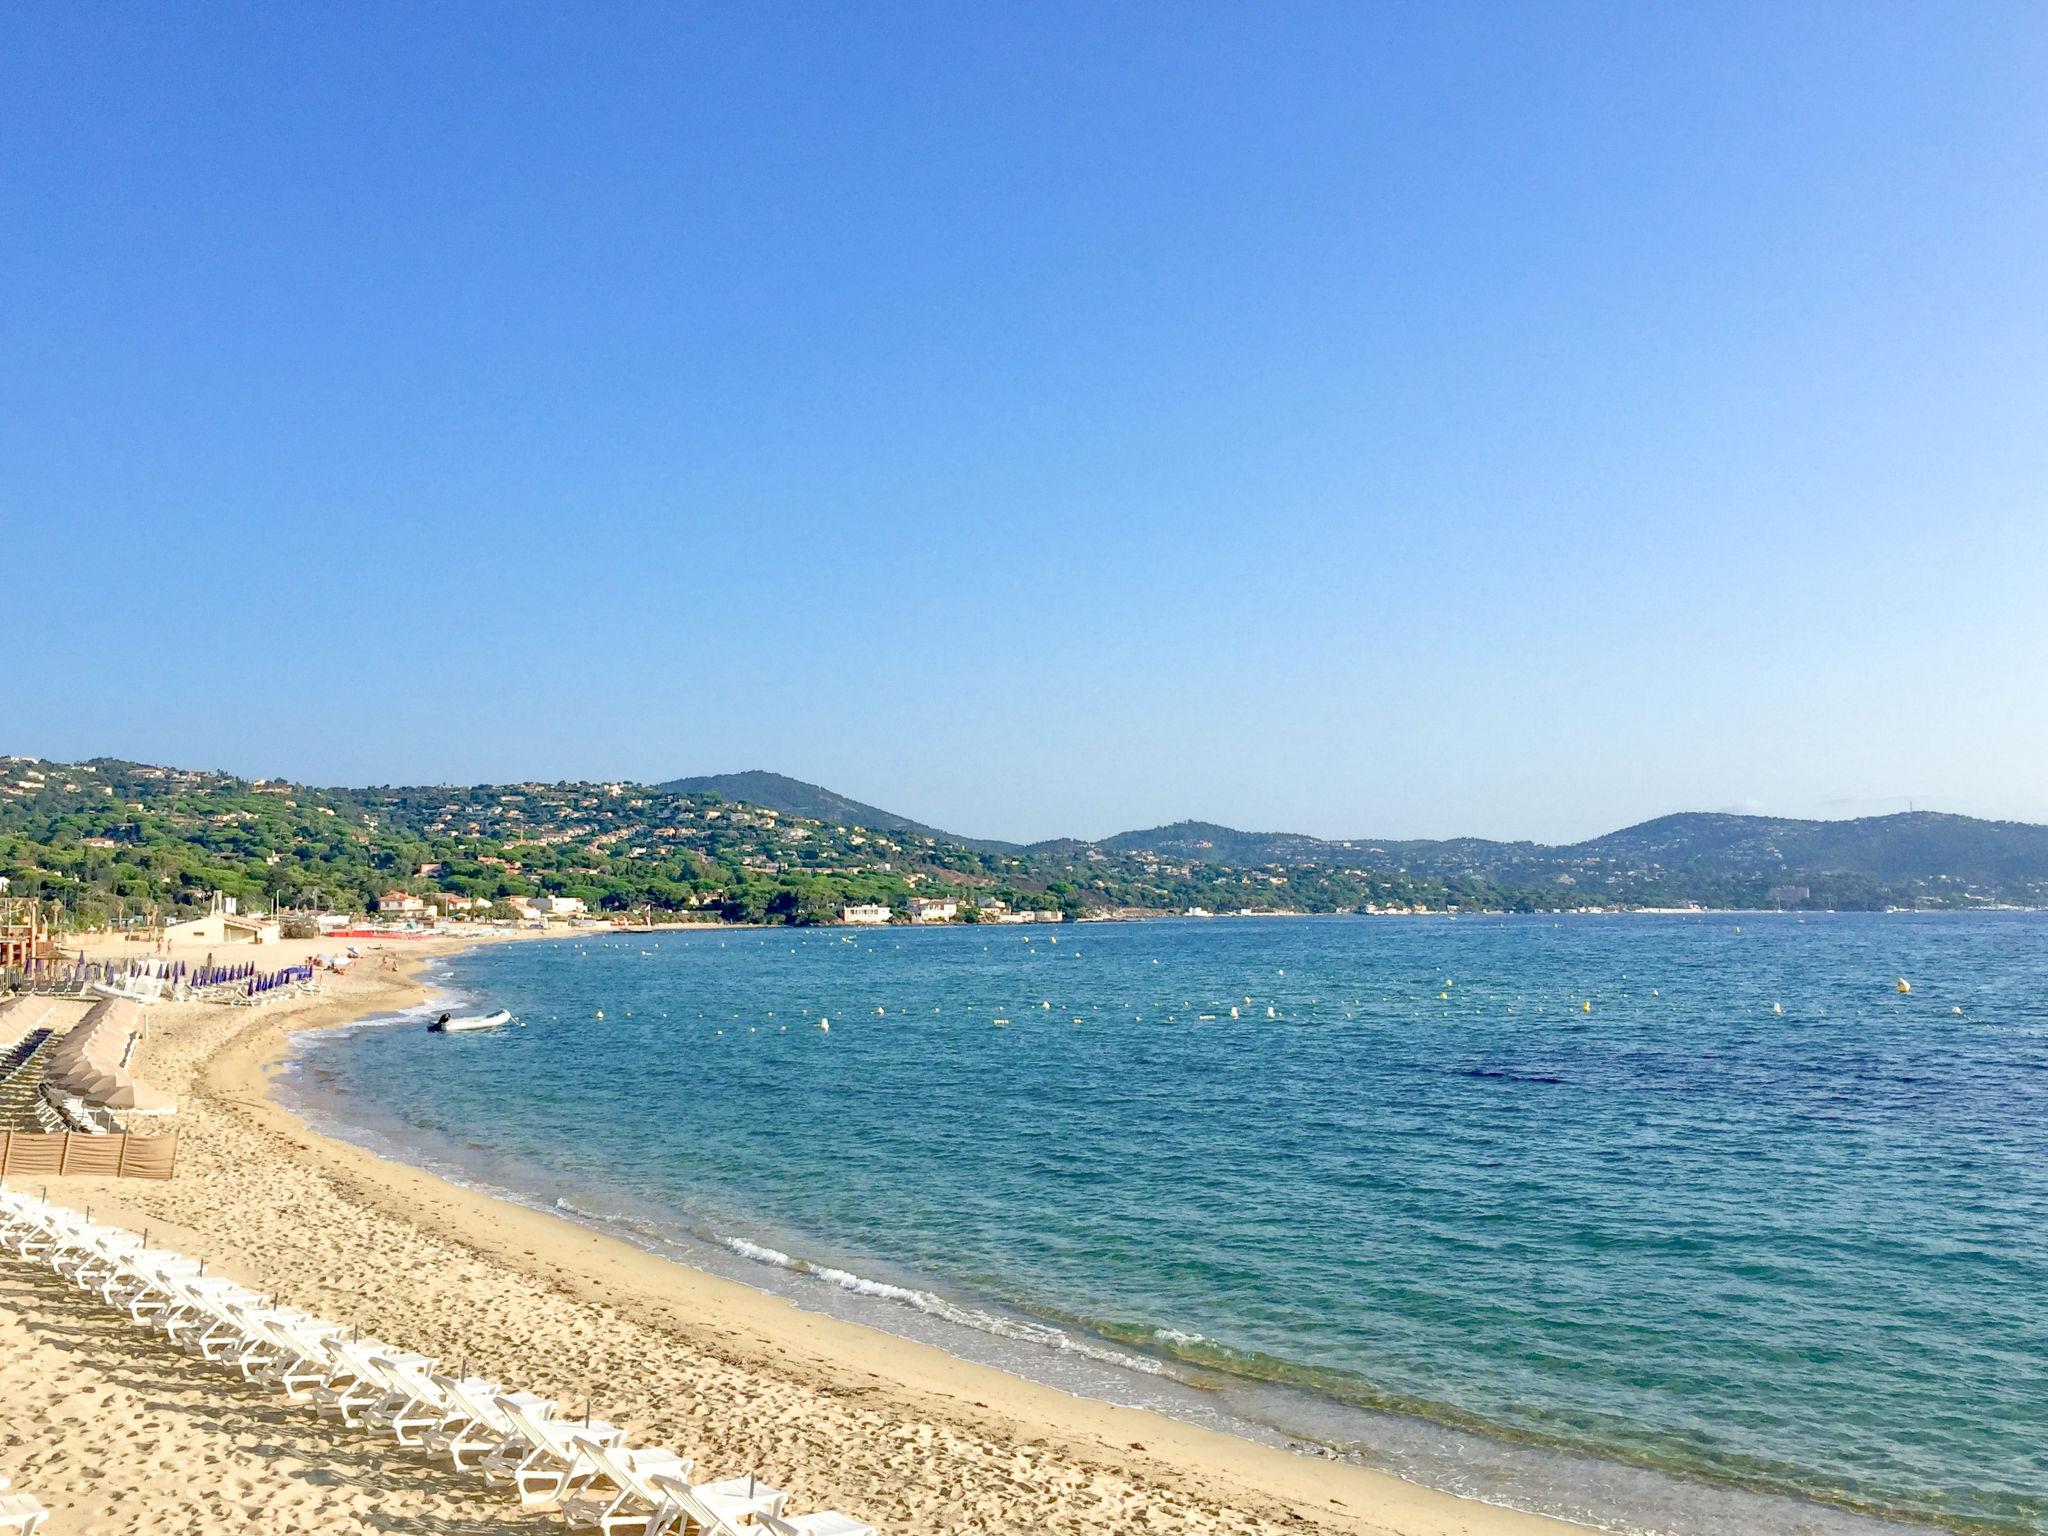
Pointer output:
x,y
459,1024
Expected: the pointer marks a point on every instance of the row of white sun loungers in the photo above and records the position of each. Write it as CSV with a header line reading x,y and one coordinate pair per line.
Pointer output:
x,y
579,1466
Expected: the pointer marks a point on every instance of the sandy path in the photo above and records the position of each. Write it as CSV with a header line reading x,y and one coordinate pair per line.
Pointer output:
x,y
117,1434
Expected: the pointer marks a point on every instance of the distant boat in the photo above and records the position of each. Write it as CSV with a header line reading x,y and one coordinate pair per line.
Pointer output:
x,y
451,1024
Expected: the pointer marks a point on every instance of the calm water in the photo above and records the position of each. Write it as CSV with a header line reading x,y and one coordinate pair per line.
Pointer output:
x,y
1416,1204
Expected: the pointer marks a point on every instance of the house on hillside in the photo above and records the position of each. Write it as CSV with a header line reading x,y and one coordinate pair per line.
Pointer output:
x,y
933,909
870,913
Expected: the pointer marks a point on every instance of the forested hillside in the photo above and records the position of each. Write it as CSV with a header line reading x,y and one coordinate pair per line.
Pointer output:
x,y
114,840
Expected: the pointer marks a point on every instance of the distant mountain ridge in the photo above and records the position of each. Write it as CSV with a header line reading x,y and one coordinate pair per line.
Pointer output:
x,y
1912,846
1906,846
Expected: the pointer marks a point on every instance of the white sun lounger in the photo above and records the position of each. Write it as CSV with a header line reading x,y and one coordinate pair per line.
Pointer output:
x,y
621,1497
48,1236
824,1522
414,1403
198,1320
726,1508
355,1383
540,1458
137,1273
285,1348
96,1254
20,1515
475,1428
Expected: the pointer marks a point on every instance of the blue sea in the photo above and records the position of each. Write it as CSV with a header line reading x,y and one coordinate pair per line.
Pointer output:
x,y
1663,1223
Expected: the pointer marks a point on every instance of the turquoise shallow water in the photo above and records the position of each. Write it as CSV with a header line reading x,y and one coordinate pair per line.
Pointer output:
x,y
1803,1252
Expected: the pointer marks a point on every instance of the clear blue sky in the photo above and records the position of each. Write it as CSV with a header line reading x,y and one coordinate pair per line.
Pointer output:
x,y
1040,419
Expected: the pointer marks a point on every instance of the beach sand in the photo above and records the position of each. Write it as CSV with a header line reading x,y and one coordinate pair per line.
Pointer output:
x,y
117,1433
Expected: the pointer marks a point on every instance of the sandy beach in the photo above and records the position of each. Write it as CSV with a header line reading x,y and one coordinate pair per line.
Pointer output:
x,y
117,1433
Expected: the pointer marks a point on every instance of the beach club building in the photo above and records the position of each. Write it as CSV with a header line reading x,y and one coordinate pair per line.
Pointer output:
x,y
223,928
865,913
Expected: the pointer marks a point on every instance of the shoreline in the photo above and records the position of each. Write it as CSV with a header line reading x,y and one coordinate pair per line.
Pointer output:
x,y
986,1450
1415,1449
911,1363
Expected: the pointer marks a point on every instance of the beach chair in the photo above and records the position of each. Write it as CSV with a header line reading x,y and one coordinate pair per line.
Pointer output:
x,y
541,1458
96,1254
284,1348
475,1428
195,1317
727,1508
621,1496
46,1233
20,1515
137,1273
355,1383
413,1403
824,1522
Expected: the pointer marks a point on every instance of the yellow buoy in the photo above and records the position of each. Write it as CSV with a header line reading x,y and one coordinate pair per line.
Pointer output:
x,y
1777,1007
1586,1006
600,1013
1443,997
1904,985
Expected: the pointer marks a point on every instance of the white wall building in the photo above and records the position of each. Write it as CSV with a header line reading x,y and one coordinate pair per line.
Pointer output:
x,y
869,913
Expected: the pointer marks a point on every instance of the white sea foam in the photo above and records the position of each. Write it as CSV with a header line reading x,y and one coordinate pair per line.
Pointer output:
x,y
1019,1329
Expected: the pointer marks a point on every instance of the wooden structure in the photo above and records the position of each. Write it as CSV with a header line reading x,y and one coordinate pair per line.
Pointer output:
x,y
24,935
74,1154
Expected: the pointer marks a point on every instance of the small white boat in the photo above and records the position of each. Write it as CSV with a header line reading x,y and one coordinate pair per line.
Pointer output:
x,y
452,1024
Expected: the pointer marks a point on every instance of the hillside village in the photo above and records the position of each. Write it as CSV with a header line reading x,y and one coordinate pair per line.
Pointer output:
x,y
115,842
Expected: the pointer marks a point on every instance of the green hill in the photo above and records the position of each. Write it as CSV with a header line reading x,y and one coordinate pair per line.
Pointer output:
x,y
111,840
794,797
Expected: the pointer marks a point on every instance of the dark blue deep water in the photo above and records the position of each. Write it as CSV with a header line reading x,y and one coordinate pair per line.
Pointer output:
x,y
1802,1251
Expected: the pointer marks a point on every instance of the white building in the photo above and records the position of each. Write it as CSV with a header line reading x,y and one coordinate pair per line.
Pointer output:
x,y
869,913
933,909
559,906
